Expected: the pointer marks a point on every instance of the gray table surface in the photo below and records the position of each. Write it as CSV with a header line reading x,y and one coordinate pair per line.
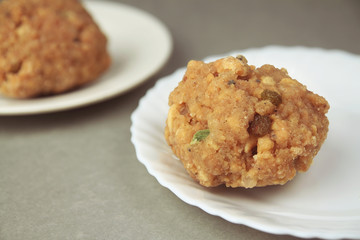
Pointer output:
x,y
74,174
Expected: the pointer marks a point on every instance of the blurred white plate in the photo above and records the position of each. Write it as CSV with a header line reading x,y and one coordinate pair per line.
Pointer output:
x,y
323,202
139,45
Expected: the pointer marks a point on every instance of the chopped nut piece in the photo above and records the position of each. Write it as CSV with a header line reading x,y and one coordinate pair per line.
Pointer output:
x,y
268,80
264,107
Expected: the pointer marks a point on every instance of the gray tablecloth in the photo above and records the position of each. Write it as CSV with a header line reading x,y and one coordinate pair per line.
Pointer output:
x,y
74,174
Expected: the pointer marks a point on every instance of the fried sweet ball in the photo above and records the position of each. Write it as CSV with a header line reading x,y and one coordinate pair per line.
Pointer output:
x,y
48,47
234,124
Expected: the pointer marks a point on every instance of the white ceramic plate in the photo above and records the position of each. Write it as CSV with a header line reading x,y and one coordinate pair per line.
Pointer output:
x,y
323,202
139,45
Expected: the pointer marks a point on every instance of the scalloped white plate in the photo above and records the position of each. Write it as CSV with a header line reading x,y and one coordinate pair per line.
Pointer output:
x,y
139,45
323,202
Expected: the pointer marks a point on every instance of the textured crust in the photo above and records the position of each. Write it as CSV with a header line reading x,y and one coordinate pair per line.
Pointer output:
x,y
48,47
226,97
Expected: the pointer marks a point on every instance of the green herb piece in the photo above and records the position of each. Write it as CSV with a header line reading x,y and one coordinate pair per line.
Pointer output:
x,y
199,136
272,96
